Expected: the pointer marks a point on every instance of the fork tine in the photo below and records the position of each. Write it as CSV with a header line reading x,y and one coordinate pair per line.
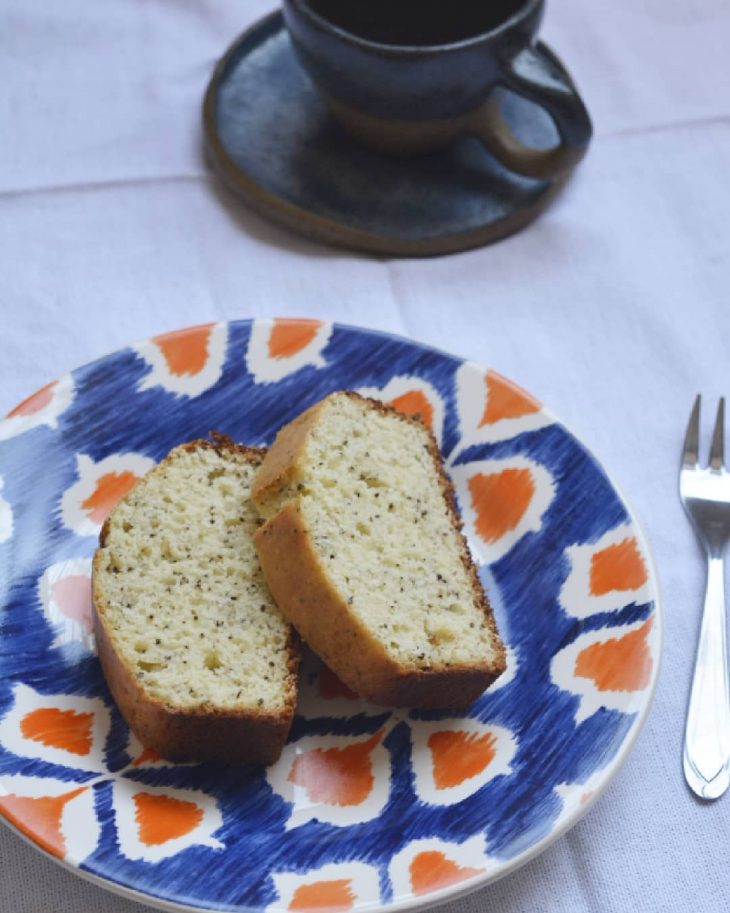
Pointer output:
x,y
691,438
717,451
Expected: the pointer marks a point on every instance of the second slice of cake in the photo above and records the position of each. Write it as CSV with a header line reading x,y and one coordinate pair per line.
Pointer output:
x,y
198,657
363,551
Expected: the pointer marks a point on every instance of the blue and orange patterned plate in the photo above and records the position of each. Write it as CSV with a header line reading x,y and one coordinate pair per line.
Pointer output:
x,y
367,809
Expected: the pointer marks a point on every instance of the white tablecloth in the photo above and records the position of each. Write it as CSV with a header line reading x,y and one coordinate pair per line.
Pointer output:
x,y
614,308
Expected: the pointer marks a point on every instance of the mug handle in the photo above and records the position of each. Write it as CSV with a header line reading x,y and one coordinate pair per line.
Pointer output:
x,y
536,74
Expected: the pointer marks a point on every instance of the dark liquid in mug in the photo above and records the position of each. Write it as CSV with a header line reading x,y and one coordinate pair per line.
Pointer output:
x,y
416,22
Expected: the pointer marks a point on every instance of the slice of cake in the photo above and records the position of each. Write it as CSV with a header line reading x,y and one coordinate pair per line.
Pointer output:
x,y
195,651
363,551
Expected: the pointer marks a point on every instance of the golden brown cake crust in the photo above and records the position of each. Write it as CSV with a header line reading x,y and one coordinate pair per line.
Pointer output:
x,y
310,601
280,470
201,734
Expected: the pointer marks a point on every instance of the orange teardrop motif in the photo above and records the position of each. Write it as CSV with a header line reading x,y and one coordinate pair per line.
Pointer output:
x,y
500,500
505,400
288,337
56,728
185,351
110,488
35,402
413,403
337,776
432,870
458,756
40,819
325,896
162,818
618,567
620,664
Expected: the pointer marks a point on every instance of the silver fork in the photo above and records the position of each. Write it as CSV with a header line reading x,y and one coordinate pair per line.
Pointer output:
x,y
705,494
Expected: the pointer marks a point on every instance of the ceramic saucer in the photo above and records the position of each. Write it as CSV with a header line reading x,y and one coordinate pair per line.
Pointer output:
x,y
271,139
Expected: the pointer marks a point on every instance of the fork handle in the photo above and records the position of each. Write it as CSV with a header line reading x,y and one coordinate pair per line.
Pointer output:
x,y
707,734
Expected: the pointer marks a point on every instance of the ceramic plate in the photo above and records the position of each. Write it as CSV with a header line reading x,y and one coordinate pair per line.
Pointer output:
x,y
367,809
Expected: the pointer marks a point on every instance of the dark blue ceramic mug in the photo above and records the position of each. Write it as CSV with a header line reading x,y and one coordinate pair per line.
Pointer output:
x,y
406,76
